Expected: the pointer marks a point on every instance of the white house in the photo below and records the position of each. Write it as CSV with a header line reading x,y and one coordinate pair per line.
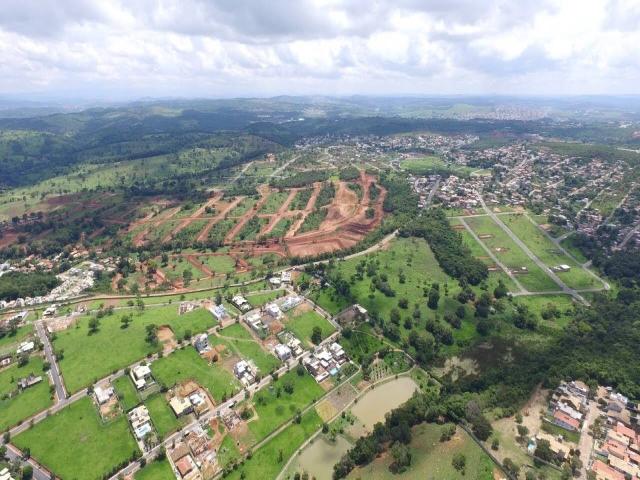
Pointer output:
x,y
141,375
201,342
218,311
103,394
25,347
273,310
283,352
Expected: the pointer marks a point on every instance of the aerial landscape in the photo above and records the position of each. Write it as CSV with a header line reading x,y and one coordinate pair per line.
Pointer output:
x,y
319,240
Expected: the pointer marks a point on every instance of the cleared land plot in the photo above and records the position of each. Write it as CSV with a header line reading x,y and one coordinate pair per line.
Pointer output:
x,y
432,458
432,164
241,341
548,252
302,325
569,244
313,220
186,364
243,207
220,230
176,267
511,255
27,402
275,405
162,416
90,357
218,263
74,442
281,228
301,199
274,202
252,228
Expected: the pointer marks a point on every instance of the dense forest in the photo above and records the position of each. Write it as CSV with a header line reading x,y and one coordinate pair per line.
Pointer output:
x,y
20,285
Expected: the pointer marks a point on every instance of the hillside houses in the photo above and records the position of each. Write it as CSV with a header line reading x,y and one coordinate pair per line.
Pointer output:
x,y
326,361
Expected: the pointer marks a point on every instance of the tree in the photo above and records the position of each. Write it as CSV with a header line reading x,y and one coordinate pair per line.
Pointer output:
x,y
434,298
27,472
316,335
187,275
401,457
543,451
511,467
501,290
459,461
94,325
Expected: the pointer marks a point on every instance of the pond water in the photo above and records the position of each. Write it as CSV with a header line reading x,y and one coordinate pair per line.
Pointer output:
x,y
373,406
319,458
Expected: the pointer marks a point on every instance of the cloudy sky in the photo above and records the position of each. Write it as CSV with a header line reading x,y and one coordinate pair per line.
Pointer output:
x,y
220,48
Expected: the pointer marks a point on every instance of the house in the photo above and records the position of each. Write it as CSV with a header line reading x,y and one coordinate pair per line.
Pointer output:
x,y
29,381
605,472
5,360
186,307
218,311
103,394
5,474
201,343
565,421
49,311
25,347
19,317
285,277
241,302
254,320
246,372
283,352
273,310
141,376
140,421
180,406
291,341
275,281
290,302
185,465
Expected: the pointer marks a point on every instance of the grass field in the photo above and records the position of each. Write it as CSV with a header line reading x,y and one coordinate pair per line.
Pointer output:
x,y
281,228
569,245
90,357
220,229
511,255
313,220
432,164
10,342
75,444
301,199
228,451
243,206
431,459
270,459
252,228
186,364
126,392
302,325
219,263
545,250
242,343
260,299
162,416
274,202
274,405
27,403
158,470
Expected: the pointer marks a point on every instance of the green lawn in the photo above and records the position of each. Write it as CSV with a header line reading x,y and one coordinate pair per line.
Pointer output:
x,y
219,263
265,462
186,364
548,252
228,451
431,459
90,357
75,444
260,299
158,470
126,392
27,403
9,342
245,346
511,255
274,405
162,416
302,325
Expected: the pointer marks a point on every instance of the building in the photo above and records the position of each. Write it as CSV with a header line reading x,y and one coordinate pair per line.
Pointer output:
x,y
5,360
218,311
283,352
605,472
29,381
326,361
291,341
140,421
254,320
565,421
186,307
246,372
103,395
290,302
25,347
275,281
201,343
273,310
241,302
286,276
185,465
49,311
5,474
180,406
141,376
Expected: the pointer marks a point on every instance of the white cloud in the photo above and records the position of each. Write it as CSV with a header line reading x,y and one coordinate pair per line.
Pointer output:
x,y
245,47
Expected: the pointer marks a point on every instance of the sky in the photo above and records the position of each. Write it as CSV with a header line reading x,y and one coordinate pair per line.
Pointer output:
x,y
126,49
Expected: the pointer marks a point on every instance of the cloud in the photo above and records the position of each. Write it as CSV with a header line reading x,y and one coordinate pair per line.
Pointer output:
x,y
246,47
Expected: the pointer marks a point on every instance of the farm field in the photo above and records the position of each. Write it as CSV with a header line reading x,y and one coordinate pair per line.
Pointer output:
x,y
74,442
186,364
302,324
546,251
432,458
28,402
511,255
275,405
90,357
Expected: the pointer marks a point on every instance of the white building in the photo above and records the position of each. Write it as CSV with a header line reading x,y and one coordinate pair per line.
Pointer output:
x,y
140,421
283,352
103,394
141,376
25,347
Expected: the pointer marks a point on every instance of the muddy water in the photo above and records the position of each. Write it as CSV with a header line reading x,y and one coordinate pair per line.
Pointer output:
x,y
372,407
319,458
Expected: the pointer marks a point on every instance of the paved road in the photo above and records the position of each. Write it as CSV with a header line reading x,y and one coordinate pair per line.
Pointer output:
x,y
563,286
586,440
432,192
54,371
39,472
494,258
